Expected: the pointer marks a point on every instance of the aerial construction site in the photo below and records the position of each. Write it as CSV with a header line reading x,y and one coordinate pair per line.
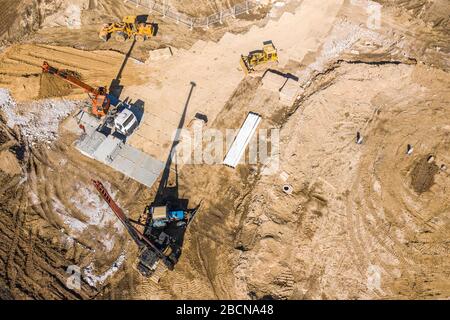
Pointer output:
x,y
224,149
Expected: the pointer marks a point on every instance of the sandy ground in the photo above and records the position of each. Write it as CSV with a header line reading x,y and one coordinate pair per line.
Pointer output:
x,y
363,221
354,207
213,67
21,72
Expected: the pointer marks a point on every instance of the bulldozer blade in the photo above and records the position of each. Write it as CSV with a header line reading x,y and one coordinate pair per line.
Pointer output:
x,y
244,65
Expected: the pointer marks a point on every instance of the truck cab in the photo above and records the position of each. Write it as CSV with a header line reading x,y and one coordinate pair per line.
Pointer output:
x,y
125,122
160,216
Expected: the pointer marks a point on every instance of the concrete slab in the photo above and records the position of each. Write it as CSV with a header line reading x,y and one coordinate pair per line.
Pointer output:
x,y
88,144
121,157
106,151
88,120
123,165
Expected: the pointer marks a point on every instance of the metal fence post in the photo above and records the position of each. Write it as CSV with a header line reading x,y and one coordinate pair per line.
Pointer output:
x,y
165,10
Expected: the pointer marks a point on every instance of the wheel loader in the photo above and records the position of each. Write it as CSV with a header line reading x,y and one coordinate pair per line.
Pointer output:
x,y
129,28
258,57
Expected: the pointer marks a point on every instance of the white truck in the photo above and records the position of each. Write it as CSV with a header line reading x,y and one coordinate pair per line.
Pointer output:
x,y
125,122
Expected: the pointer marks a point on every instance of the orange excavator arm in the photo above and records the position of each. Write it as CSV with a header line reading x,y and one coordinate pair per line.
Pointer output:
x,y
67,77
99,99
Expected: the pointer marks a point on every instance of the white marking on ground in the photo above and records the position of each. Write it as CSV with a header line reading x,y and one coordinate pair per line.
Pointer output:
x,y
37,120
92,279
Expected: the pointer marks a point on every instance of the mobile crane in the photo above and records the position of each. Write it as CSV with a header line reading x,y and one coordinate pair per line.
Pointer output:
x,y
149,251
125,121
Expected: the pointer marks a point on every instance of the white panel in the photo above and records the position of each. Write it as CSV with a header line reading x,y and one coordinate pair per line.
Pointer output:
x,y
242,139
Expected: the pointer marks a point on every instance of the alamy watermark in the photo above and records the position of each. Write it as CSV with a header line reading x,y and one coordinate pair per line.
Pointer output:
x,y
210,146
373,11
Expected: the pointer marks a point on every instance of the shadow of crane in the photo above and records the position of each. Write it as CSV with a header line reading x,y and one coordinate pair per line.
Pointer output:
x,y
168,195
165,192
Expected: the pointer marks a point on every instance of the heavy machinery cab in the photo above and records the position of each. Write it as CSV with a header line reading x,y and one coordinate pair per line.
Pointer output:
x,y
160,216
100,103
125,122
129,19
128,28
257,57
270,52
147,261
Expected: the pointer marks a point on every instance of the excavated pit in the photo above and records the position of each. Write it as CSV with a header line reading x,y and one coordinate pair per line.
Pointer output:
x,y
422,175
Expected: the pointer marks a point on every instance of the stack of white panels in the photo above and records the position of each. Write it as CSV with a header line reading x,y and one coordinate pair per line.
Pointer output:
x,y
242,139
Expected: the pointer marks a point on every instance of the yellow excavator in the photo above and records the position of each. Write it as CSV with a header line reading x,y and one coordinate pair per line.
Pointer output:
x,y
129,28
257,57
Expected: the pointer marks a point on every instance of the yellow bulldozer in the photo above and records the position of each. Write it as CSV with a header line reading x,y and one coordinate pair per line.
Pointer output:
x,y
257,57
129,28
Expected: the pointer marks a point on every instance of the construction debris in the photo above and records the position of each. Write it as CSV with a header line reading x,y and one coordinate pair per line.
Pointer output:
x,y
38,121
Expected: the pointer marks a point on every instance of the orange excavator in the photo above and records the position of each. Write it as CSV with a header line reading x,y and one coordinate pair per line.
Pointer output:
x,y
100,102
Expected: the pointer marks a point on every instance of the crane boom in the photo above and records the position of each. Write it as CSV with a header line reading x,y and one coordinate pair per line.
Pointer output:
x,y
137,236
99,100
69,78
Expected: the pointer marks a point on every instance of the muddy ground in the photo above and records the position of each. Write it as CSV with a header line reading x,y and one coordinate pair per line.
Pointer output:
x,y
363,221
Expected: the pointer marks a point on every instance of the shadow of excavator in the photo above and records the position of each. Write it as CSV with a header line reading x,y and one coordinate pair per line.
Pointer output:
x,y
115,88
167,195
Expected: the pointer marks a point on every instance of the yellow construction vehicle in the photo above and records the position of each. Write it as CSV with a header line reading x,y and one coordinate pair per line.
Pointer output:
x,y
129,28
257,57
